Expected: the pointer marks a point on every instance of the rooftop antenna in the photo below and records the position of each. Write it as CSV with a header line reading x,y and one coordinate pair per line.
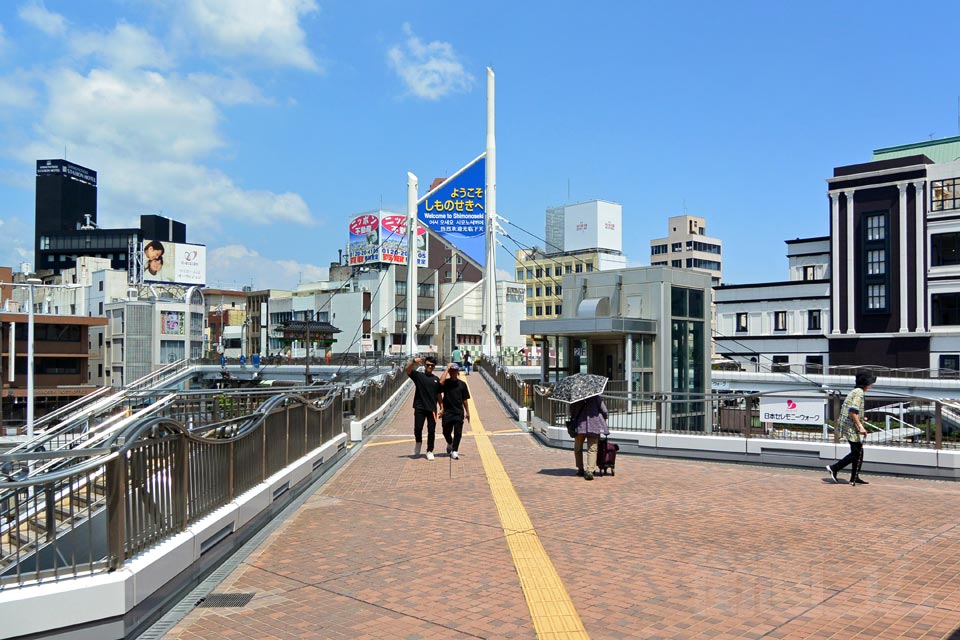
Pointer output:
x,y
684,206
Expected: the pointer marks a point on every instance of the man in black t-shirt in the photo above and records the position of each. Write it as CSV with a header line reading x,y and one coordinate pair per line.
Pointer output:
x,y
425,398
454,409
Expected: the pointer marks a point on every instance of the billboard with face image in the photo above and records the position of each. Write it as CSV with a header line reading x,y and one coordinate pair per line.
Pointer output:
x,y
174,263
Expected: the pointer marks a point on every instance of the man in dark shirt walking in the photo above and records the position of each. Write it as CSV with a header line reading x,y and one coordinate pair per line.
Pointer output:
x,y
453,410
425,398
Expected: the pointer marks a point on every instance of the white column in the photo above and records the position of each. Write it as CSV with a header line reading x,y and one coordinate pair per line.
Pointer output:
x,y
851,328
413,186
490,268
628,366
921,243
835,262
904,280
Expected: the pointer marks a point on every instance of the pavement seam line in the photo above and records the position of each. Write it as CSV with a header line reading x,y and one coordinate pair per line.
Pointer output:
x,y
552,610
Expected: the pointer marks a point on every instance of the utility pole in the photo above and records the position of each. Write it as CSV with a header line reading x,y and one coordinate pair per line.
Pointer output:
x,y
490,270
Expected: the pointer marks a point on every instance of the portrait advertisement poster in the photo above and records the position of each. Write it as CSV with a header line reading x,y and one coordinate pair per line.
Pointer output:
x,y
174,263
364,242
393,240
456,210
172,323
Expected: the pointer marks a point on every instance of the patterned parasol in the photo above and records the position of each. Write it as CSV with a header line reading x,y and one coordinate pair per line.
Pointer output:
x,y
578,387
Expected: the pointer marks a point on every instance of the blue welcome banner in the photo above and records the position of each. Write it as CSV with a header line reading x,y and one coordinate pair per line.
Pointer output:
x,y
456,209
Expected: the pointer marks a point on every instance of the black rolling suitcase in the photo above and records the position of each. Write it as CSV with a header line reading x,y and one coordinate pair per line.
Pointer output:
x,y
607,456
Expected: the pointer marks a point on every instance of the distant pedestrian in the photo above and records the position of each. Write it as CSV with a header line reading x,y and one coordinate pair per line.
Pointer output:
x,y
590,416
425,399
467,362
850,426
457,356
453,408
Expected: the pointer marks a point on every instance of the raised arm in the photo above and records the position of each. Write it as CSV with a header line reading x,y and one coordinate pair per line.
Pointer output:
x,y
410,364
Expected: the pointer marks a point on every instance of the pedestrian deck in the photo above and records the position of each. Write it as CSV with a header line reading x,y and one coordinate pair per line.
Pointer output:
x,y
508,543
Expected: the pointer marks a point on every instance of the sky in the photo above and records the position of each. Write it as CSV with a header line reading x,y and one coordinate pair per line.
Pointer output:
x,y
264,126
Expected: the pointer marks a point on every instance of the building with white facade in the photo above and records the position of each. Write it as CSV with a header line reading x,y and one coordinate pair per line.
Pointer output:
x,y
687,246
779,326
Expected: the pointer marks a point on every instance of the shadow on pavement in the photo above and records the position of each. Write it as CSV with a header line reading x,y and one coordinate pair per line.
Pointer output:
x,y
558,472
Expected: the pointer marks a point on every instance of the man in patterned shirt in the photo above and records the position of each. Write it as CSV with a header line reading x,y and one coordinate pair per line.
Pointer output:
x,y
850,425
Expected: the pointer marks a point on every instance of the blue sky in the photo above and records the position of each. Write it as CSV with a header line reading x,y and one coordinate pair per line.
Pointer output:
x,y
266,129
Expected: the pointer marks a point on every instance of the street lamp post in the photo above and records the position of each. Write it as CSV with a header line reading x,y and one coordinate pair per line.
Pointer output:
x,y
306,372
30,336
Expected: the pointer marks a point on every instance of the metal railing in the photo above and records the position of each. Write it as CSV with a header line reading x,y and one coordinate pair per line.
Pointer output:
x,y
92,507
903,421
375,392
802,369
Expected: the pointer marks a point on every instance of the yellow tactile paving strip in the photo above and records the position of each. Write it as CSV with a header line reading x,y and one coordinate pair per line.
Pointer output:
x,y
551,609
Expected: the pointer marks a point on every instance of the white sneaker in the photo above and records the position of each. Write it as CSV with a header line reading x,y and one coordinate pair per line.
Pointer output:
x,y
454,455
416,449
429,455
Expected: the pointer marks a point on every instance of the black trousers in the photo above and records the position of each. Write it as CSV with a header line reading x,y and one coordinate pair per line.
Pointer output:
x,y
855,457
452,432
419,416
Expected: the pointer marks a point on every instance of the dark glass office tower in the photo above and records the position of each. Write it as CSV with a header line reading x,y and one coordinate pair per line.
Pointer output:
x,y
66,193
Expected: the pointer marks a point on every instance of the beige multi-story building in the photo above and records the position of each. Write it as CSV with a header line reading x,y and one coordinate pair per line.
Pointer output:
x,y
687,246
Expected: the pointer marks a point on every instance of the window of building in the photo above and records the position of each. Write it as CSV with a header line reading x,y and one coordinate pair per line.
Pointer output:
x,y
876,227
539,291
423,314
676,264
950,365
401,314
100,307
557,309
779,320
876,262
539,310
676,247
876,254
781,364
687,356
658,249
813,320
567,268
519,274
529,291
946,309
741,322
100,285
402,286
549,309
539,272
529,310
944,249
547,271
698,263
945,194
529,274
579,268
558,289
810,273
813,364
426,290
876,296
548,290
589,267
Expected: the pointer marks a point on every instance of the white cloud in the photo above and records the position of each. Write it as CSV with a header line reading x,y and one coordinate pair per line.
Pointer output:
x,y
36,14
228,90
430,71
15,92
16,240
145,135
126,47
236,265
268,31
131,113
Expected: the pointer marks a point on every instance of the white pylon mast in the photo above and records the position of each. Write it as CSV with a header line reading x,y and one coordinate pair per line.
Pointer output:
x,y
412,256
490,266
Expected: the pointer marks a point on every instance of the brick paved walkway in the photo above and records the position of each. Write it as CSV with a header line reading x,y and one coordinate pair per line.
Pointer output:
x,y
395,547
